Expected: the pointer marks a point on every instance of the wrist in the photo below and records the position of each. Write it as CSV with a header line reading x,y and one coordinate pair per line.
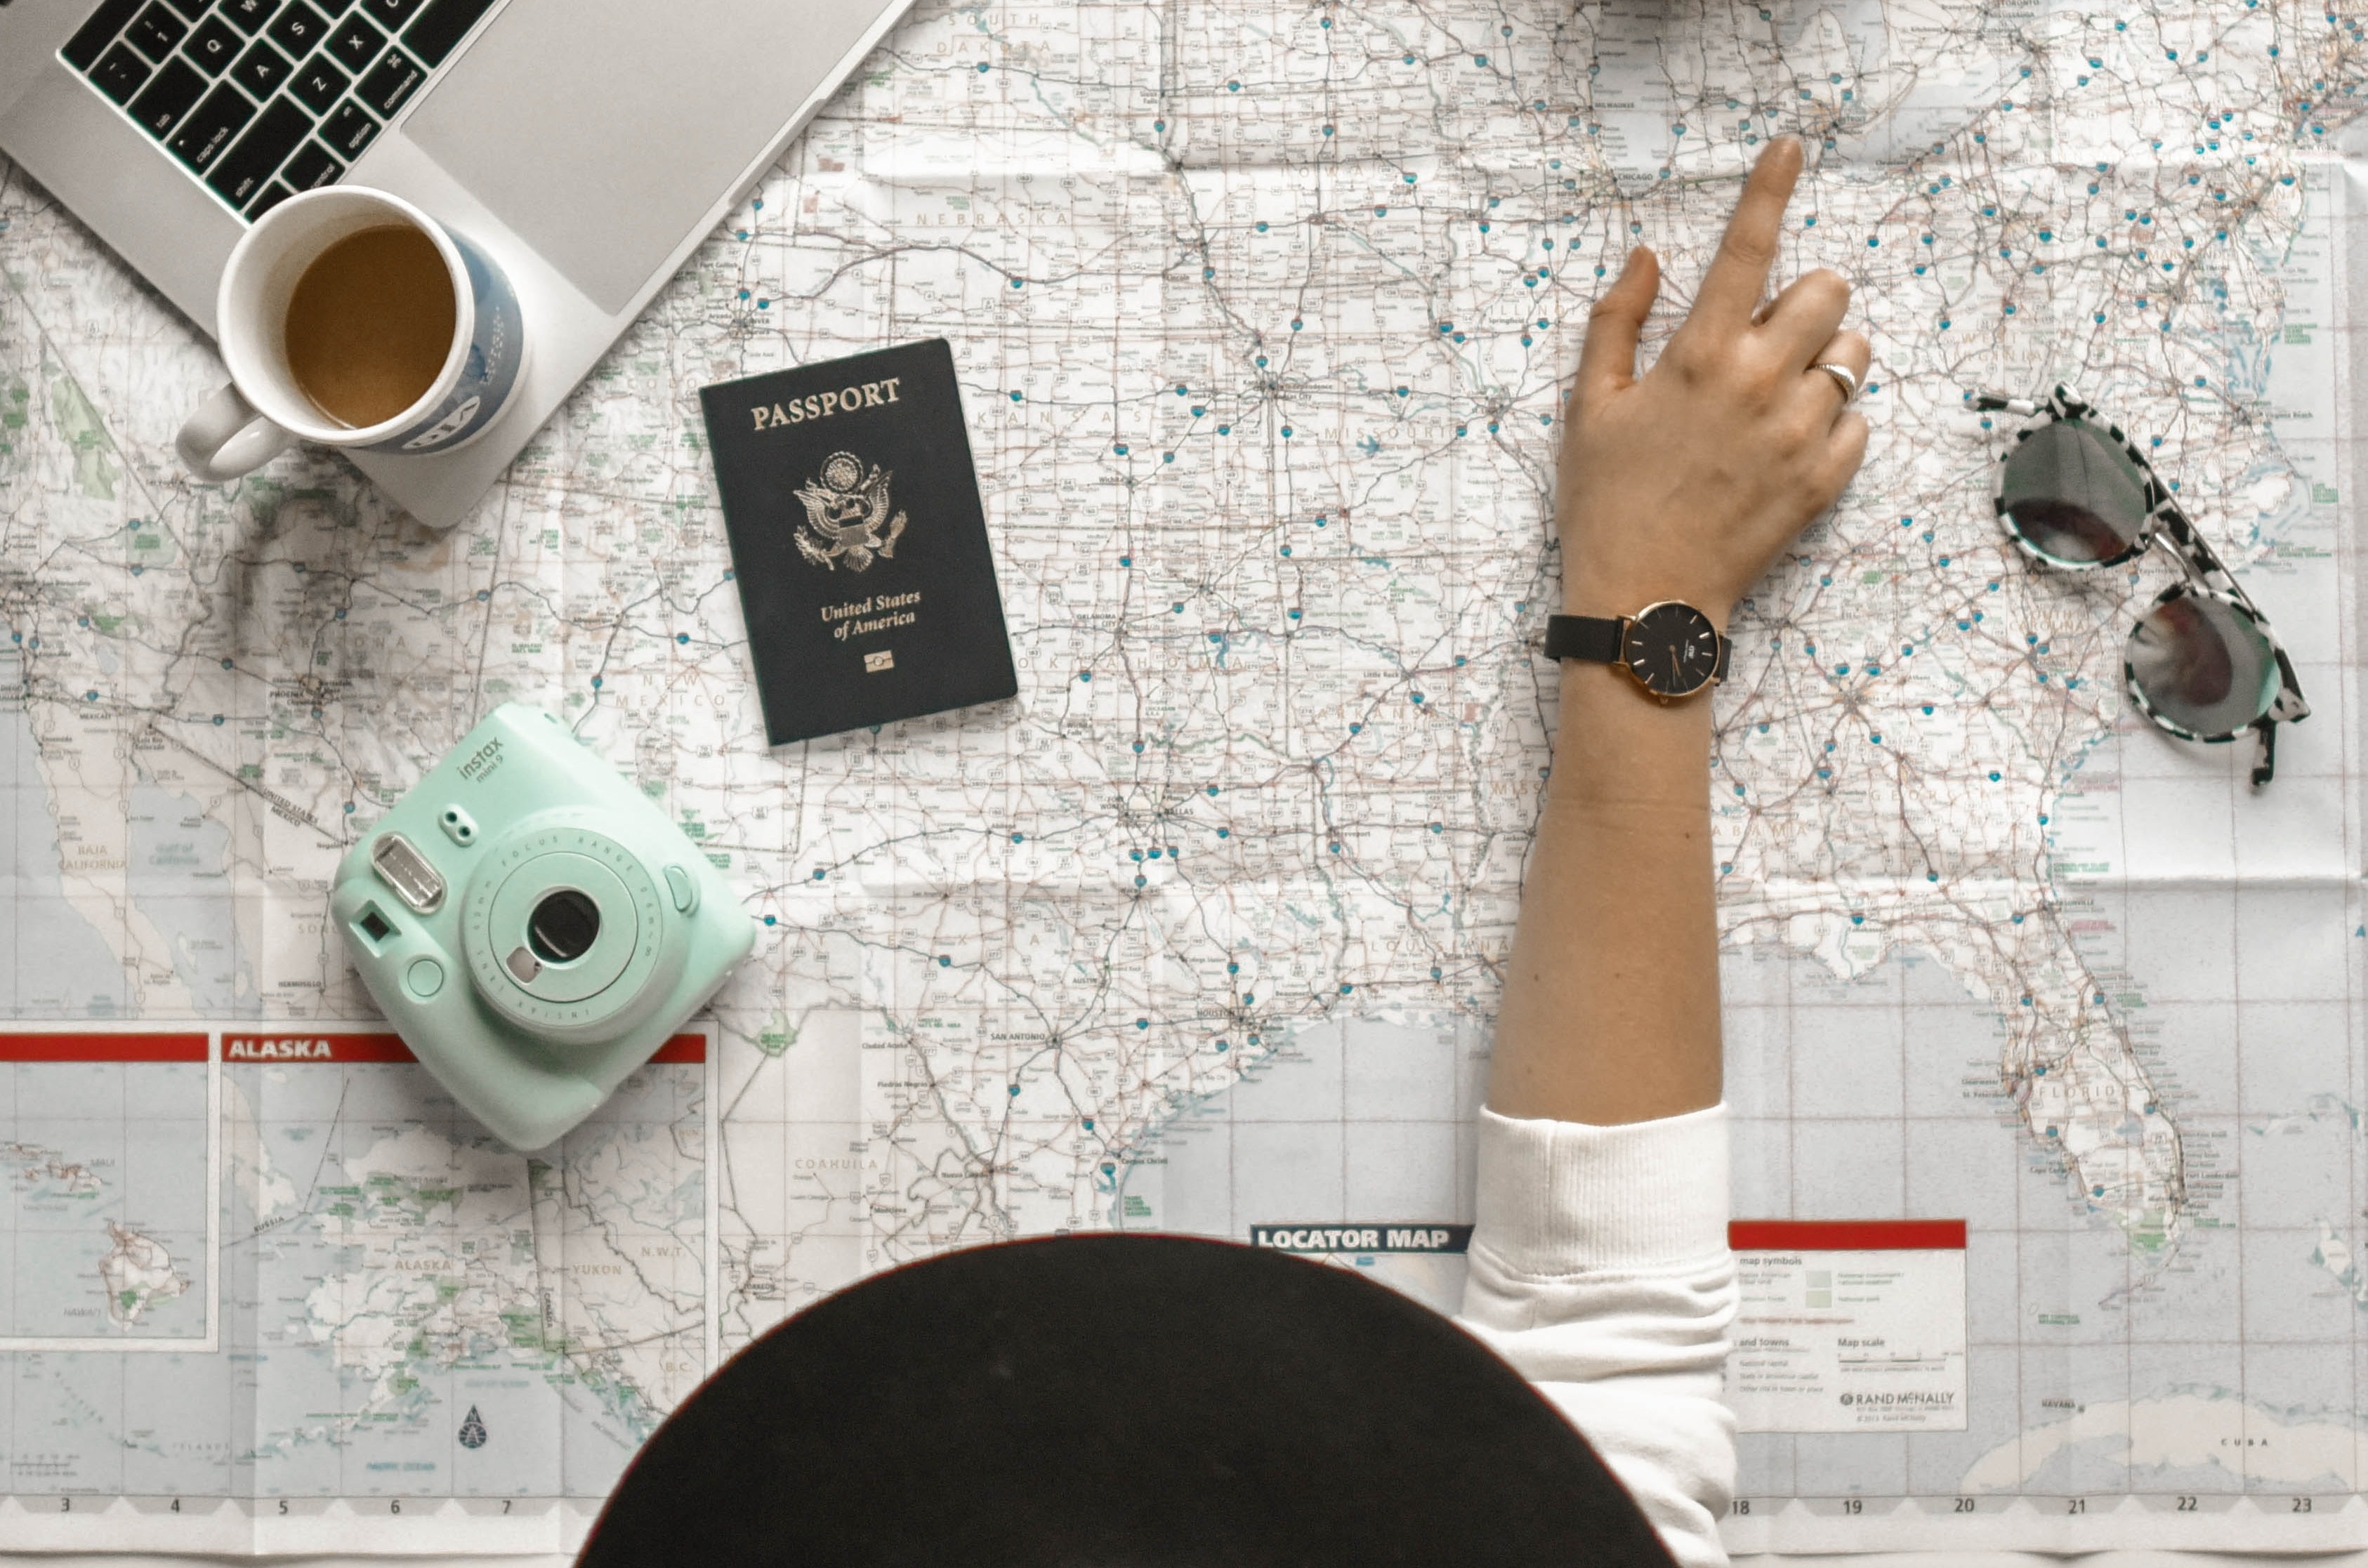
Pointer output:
x,y
1618,744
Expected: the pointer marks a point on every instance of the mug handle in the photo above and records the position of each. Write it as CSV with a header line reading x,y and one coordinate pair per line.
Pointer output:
x,y
226,438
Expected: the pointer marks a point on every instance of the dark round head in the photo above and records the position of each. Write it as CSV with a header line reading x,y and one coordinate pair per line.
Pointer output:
x,y
1116,1402
1671,648
564,926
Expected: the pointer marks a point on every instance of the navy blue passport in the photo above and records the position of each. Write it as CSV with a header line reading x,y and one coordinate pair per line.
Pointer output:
x,y
858,541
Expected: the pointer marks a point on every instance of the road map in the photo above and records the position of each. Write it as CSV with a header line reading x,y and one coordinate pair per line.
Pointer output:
x,y
2045,1038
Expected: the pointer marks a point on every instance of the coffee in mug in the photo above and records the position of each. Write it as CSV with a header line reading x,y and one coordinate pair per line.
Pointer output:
x,y
351,318
369,323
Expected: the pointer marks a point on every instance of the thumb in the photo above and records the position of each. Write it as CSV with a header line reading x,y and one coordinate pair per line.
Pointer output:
x,y
1607,362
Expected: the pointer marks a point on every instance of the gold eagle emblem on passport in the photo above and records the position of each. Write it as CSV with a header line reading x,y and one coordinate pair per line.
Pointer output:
x,y
845,510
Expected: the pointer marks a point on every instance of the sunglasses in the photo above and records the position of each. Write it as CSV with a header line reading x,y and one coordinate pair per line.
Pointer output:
x,y
2202,662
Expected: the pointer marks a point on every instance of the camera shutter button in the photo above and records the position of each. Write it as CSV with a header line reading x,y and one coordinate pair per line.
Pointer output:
x,y
685,891
425,978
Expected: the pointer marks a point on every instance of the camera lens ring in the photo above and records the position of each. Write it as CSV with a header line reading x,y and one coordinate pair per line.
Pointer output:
x,y
614,983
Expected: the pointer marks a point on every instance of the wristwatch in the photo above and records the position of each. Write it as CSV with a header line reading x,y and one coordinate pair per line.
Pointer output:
x,y
1670,648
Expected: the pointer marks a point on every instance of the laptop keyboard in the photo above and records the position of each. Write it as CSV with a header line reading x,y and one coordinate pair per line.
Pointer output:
x,y
263,99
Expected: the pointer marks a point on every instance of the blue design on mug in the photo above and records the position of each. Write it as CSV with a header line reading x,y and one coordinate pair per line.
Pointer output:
x,y
487,378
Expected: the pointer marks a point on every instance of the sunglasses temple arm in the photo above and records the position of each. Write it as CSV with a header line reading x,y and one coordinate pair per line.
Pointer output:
x,y
1990,402
2265,767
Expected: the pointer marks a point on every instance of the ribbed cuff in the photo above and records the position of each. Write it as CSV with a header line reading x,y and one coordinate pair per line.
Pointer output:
x,y
1560,1197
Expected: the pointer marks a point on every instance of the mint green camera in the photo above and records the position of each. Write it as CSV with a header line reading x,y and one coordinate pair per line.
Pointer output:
x,y
534,927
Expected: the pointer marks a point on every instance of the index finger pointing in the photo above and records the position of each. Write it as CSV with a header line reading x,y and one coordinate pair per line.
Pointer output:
x,y
1738,274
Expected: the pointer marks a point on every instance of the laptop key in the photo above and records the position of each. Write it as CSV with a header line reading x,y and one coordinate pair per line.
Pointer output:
x,y
156,31
214,46
441,27
243,172
356,43
273,194
260,70
211,126
390,14
348,131
390,83
299,29
98,30
121,73
168,98
249,15
320,84
192,9
311,166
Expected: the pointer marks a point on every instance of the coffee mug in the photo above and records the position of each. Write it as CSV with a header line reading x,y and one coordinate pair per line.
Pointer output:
x,y
271,286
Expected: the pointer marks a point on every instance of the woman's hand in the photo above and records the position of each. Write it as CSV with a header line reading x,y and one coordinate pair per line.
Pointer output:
x,y
1678,486
1685,485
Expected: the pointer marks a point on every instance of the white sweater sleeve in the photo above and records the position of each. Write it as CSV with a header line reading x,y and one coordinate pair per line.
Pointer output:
x,y
1600,1269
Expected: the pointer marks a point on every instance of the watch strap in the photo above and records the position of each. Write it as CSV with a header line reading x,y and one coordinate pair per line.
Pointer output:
x,y
1596,638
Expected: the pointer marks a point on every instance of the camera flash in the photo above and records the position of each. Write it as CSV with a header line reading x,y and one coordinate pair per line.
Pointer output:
x,y
407,871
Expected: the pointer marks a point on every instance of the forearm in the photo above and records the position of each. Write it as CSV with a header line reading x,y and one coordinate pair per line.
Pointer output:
x,y
1612,1008
1598,1258
1678,485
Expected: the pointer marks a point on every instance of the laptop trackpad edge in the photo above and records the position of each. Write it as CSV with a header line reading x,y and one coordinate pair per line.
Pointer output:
x,y
601,131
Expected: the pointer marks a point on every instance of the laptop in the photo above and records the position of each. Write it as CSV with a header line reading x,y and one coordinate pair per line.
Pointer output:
x,y
587,145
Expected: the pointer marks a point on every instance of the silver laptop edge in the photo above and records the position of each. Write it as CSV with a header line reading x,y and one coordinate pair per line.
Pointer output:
x,y
62,131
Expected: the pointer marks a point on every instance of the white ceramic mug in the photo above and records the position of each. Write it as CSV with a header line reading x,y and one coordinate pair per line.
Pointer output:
x,y
264,412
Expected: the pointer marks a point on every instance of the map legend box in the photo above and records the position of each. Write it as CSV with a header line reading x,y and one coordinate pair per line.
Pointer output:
x,y
108,1150
1849,1325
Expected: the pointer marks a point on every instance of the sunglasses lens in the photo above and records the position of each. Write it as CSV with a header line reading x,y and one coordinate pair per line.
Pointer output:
x,y
2202,665
2074,496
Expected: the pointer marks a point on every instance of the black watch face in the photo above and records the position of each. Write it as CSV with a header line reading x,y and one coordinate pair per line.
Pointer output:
x,y
1672,648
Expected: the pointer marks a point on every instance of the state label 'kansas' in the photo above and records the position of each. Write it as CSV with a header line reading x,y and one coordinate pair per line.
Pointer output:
x,y
859,543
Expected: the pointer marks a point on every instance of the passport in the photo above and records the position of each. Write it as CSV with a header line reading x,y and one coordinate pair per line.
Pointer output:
x,y
859,544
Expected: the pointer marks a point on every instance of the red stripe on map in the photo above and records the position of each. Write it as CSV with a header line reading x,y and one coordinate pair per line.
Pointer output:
x,y
683,1048
1844,1235
127,1045
279,1047
345,1048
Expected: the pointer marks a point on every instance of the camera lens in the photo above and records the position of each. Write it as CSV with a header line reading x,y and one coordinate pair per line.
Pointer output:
x,y
563,927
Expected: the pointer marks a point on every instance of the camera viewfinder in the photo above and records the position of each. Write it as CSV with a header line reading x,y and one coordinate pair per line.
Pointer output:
x,y
407,870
